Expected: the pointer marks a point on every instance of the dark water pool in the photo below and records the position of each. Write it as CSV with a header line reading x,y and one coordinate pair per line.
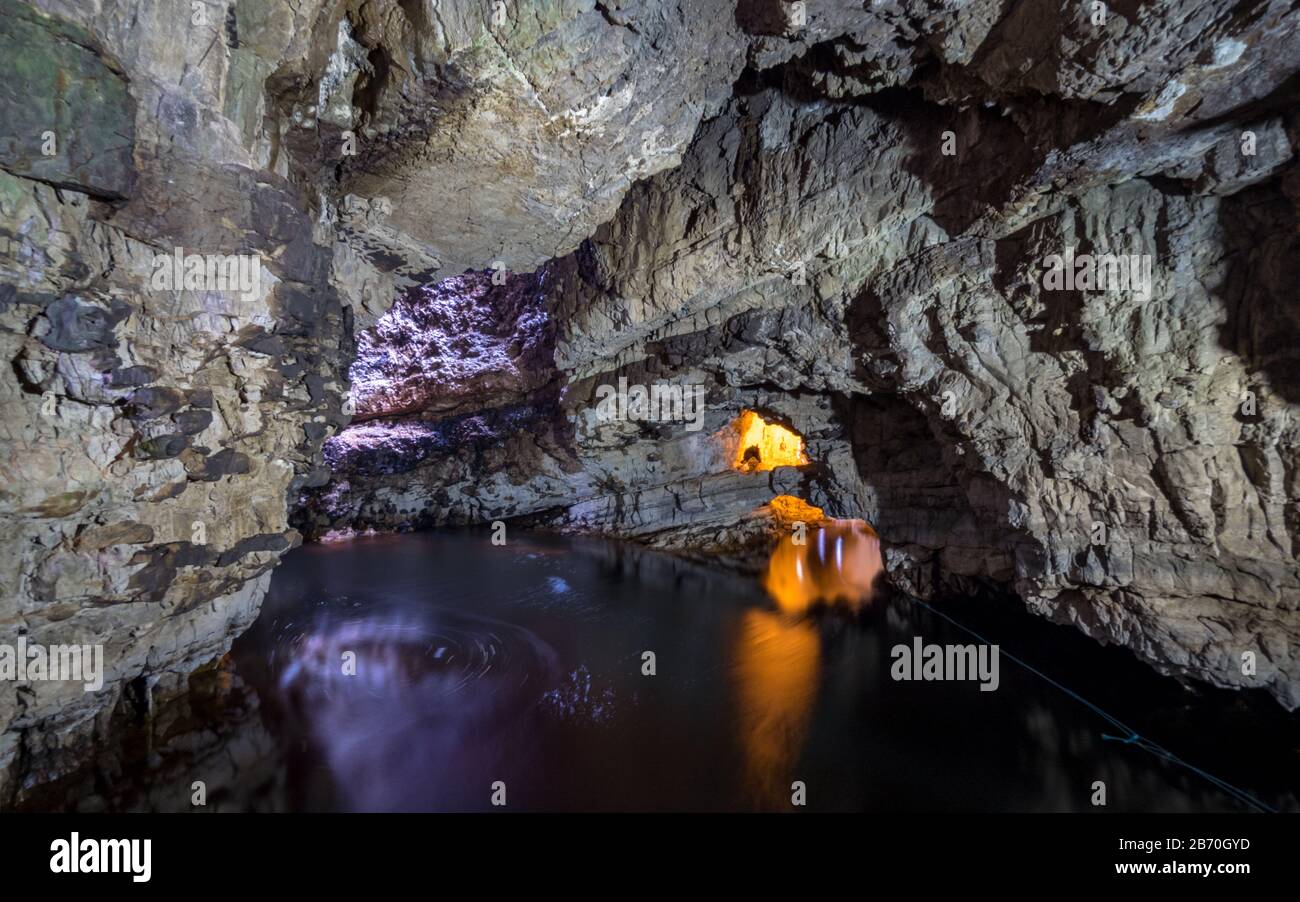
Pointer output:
x,y
472,668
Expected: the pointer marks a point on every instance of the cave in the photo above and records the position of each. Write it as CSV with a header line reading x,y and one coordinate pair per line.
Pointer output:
x,y
599,399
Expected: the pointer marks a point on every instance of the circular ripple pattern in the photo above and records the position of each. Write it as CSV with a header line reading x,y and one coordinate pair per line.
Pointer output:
x,y
384,699
444,654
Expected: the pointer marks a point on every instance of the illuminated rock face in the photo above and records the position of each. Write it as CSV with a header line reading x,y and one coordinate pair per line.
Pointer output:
x,y
788,510
462,344
763,446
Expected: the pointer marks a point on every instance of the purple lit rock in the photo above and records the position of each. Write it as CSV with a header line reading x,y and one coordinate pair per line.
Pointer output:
x,y
460,344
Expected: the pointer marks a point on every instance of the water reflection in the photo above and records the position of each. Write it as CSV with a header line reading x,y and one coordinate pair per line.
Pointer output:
x,y
386,699
838,562
779,655
778,663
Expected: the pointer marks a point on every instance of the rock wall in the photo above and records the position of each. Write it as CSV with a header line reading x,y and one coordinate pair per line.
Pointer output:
x,y
836,214
151,436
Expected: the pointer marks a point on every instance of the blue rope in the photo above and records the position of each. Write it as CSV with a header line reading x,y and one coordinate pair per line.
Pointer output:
x,y
1133,737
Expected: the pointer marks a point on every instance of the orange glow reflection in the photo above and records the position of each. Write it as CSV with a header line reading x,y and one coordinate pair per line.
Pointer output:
x,y
778,655
776,671
839,561
765,446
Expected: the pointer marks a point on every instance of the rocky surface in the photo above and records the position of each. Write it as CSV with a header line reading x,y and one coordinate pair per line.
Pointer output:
x,y
836,214
151,436
462,344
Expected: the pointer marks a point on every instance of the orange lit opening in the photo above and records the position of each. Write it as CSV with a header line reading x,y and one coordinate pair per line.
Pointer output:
x,y
766,446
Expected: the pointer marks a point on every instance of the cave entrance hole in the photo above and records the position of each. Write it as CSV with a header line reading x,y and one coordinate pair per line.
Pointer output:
x,y
762,445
